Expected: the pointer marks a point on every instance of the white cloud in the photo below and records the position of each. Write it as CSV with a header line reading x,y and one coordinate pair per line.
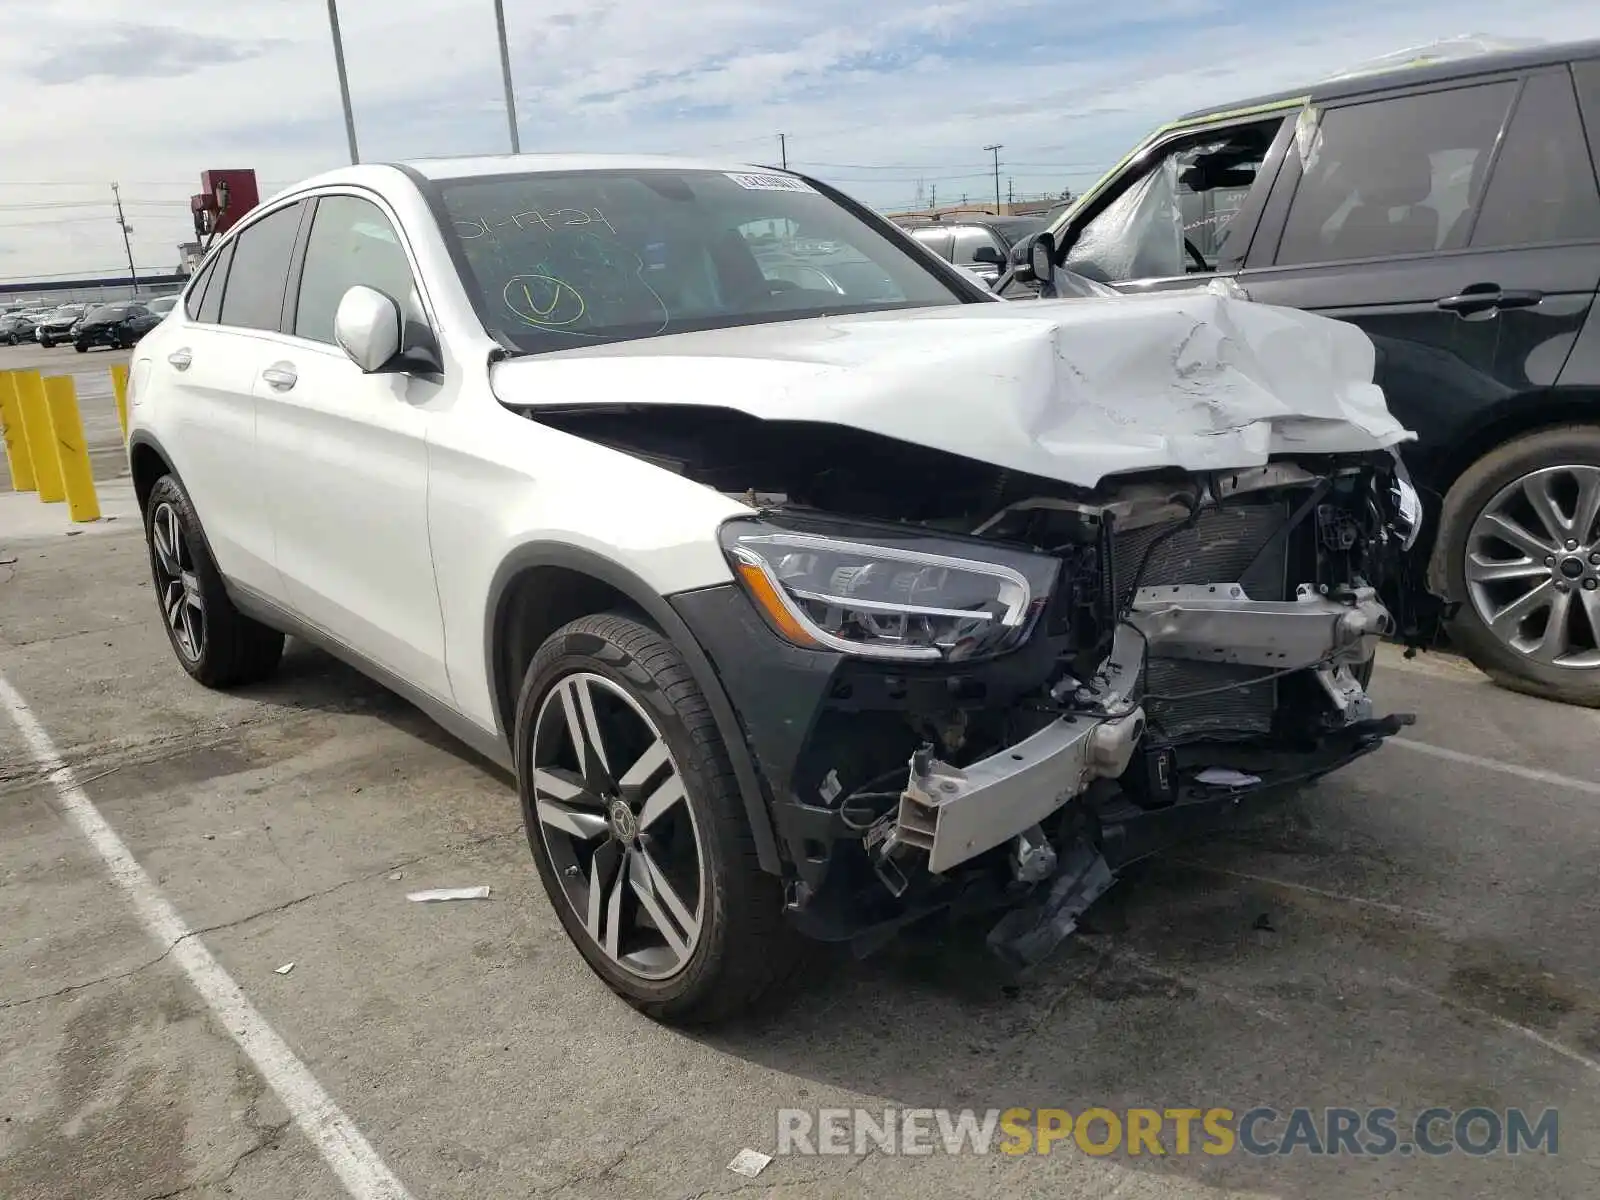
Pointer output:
x,y
886,93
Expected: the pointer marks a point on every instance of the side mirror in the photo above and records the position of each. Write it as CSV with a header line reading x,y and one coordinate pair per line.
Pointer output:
x,y
367,328
1033,258
988,255
1042,257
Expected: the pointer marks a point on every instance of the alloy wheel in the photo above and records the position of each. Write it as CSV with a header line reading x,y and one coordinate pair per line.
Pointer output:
x,y
617,824
1533,566
178,587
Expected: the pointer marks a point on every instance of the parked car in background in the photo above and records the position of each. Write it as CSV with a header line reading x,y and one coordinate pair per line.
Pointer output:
x,y
114,325
16,328
56,325
795,614
981,244
1452,211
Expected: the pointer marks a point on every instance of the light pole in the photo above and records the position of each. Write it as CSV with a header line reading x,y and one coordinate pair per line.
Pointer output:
x,y
995,150
127,246
505,72
344,81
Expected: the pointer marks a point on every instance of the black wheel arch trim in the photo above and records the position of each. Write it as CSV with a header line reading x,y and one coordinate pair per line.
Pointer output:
x,y
660,611
141,437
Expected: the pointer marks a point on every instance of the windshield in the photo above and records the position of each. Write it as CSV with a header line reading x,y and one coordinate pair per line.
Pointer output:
x,y
557,260
68,310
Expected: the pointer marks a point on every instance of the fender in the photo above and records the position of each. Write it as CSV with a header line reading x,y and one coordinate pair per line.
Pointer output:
x,y
143,437
656,607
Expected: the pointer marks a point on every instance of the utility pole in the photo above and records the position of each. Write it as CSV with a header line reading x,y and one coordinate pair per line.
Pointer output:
x,y
933,196
995,150
783,150
1011,193
133,276
344,80
505,71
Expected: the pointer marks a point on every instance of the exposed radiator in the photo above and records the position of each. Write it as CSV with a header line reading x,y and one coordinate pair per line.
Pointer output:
x,y
1218,549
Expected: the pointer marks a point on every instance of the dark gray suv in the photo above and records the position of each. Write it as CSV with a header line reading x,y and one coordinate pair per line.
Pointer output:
x,y
1451,210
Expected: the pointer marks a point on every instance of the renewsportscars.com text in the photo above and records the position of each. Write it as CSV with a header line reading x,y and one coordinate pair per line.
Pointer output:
x,y
1162,1131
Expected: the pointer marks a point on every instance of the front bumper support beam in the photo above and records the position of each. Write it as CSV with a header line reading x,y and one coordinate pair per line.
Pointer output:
x,y
955,814
1219,623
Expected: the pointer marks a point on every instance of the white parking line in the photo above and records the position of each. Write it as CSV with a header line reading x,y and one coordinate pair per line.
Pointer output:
x,y
353,1160
1533,774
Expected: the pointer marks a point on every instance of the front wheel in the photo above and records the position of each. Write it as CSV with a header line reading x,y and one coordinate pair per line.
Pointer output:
x,y
638,829
1521,537
46,342
216,643
81,347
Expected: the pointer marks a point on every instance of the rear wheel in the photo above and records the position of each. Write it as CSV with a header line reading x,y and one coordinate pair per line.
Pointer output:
x,y
638,829
214,641
1521,536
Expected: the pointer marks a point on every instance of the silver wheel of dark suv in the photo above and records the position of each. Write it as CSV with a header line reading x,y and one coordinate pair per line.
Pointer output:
x,y
1533,566
1521,535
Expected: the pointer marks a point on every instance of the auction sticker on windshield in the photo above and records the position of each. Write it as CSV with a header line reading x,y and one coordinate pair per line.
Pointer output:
x,y
770,183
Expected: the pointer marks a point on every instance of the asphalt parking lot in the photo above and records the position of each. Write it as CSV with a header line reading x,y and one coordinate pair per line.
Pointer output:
x,y
1416,931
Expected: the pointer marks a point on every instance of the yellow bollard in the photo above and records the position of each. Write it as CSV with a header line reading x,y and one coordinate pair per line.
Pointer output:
x,y
119,385
77,476
41,441
18,459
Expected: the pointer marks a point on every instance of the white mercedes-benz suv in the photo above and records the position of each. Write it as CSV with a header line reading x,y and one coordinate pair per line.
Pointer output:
x,y
807,588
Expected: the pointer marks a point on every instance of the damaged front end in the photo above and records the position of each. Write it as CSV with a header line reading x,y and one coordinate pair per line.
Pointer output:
x,y
963,686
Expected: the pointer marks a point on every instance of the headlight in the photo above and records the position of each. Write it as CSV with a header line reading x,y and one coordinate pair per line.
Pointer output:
x,y
887,594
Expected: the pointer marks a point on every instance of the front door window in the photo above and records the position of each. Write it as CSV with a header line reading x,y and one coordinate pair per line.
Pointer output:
x,y
1175,218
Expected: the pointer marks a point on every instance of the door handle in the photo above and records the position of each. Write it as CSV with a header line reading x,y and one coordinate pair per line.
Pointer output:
x,y
181,358
280,376
1488,297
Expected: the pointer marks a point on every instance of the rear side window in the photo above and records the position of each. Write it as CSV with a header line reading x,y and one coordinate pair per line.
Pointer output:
x,y
197,290
1396,176
969,238
1543,189
1587,77
210,310
937,240
253,298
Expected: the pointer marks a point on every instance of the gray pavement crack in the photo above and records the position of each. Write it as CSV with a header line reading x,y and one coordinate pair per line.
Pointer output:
x,y
61,637
268,1137
616,1161
366,877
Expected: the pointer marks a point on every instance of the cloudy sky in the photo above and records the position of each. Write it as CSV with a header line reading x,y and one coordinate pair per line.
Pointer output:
x,y
879,97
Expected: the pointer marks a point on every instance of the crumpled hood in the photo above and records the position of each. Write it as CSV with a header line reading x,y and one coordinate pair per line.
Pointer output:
x,y
1072,390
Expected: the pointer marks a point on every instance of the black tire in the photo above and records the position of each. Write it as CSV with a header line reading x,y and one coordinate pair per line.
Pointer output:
x,y
81,347
46,343
233,649
744,946
1473,491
